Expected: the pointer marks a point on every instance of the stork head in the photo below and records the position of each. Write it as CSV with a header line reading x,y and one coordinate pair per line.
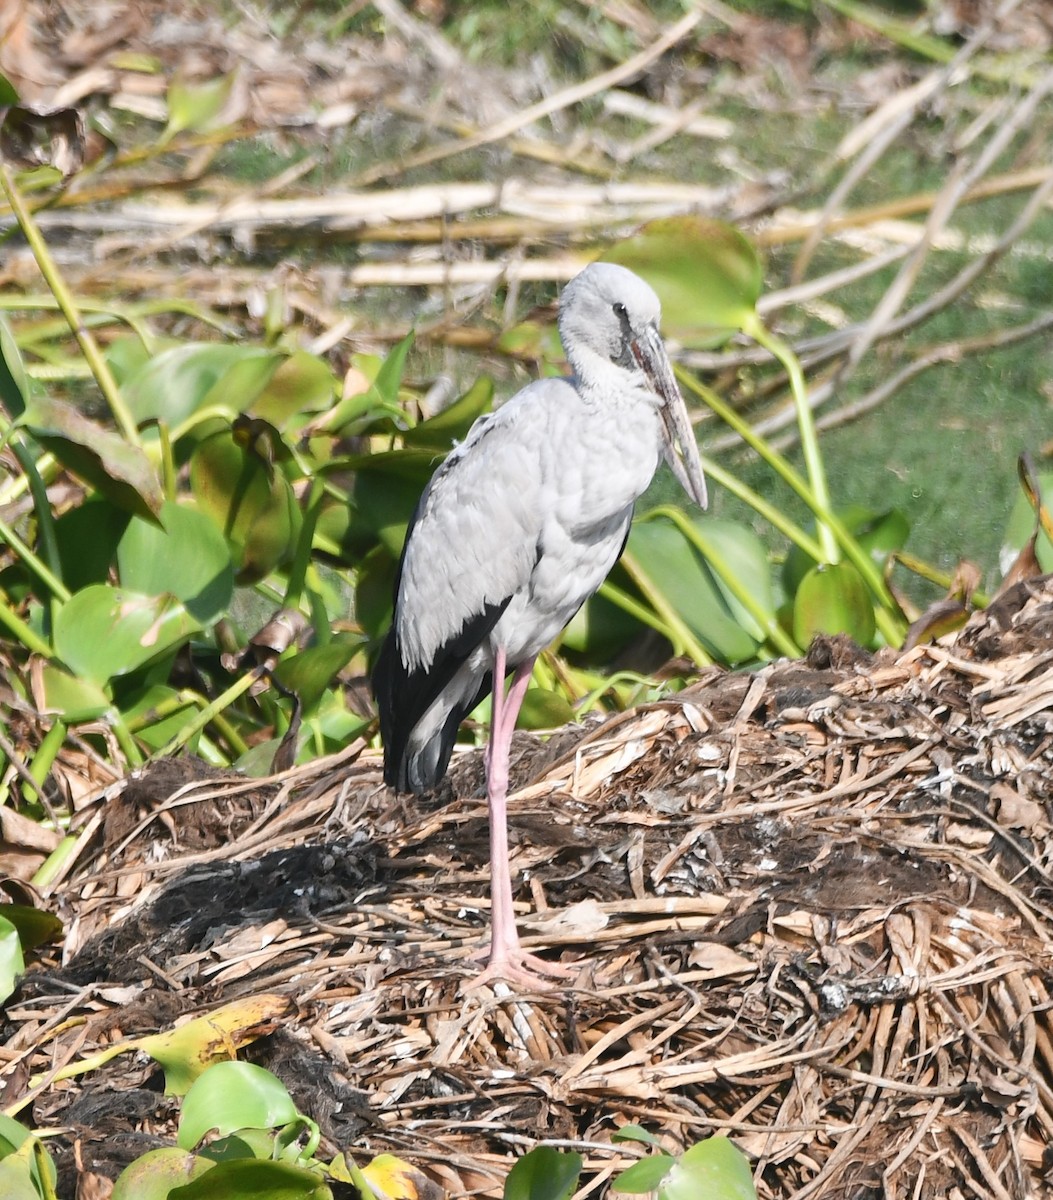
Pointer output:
x,y
608,318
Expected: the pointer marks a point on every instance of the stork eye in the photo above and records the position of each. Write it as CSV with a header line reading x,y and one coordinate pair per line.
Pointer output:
x,y
620,311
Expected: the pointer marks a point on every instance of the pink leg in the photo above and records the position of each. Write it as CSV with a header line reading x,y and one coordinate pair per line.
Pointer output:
x,y
507,960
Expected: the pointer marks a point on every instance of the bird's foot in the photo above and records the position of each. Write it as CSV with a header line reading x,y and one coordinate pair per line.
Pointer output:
x,y
525,971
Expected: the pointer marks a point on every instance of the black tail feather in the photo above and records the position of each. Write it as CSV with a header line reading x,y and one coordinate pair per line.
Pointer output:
x,y
404,696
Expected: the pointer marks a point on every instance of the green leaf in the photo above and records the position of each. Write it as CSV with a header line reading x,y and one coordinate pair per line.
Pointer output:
x,y
250,500
635,1133
186,556
102,458
196,106
878,533
35,927
543,1174
231,1096
386,490
14,385
382,394
75,699
12,1134
543,709
16,1182
310,672
8,92
12,963
706,273
154,1175
303,383
713,1168
453,423
833,599
1021,525
105,631
87,538
249,1179
178,383
645,1175
688,584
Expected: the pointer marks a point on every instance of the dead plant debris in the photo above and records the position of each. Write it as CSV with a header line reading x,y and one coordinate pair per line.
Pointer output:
x,y
812,908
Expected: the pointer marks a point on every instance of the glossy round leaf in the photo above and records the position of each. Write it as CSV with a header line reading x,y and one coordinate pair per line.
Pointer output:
x,y
34,926
645,1175
231,1096
303,383
250,501
310,672
106,631
72,697
1021,525
543,709
706,273
87,537
177,383
154,1175
833,599
101,457
452,424
250,1179
878,533
713,1168
186,556
543,1174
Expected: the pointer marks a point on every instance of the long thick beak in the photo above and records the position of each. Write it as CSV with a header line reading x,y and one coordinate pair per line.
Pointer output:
x,y
651,358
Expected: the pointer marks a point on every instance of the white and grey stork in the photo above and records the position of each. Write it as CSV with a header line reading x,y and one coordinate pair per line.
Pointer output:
x,y
516,530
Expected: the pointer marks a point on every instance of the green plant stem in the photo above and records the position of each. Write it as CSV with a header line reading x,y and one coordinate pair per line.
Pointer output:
x,y
34,562
239,688
813,460
888,615
766,622
88,346
774,516
29,638
670,623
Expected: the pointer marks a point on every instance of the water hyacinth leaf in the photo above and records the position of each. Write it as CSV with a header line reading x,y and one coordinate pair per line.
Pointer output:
x,y
190,1050
543,1174
34,926
100,457
231,1096
14,384
386,490
302,383
72,697
706,273
645,1175
1021,525
543,709
198,105
635,1133
178,383
250,1179
87,537
154,1175
452,424
250,500
833,599
105,631
711,1168
878,533
535,341
311,671
24,1158
16,1182
8,92
374,588
12,1134
393,1179
677,573
186,556
12,964
379,396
